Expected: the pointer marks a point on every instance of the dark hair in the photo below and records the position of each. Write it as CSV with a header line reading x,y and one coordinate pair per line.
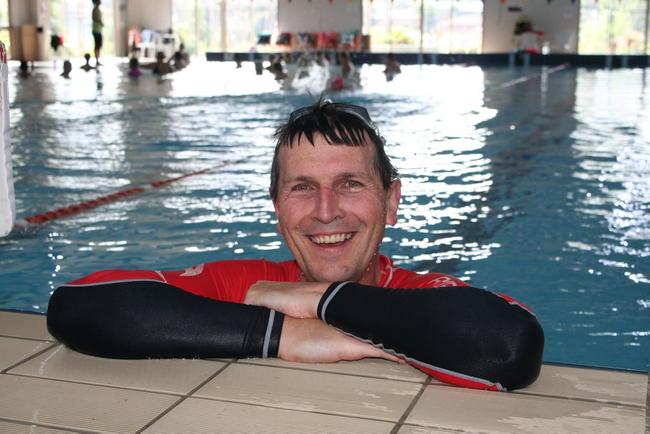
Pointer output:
x,y
340,124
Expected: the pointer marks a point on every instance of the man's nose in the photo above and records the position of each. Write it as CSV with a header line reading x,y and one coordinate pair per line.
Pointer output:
x,y
328,206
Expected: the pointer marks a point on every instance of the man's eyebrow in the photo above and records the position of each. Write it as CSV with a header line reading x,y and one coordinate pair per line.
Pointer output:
x,y
300,178
343,175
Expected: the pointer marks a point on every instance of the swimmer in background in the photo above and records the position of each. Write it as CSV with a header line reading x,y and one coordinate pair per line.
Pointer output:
x,y
86,67
160,67
276,67
391,67
181,58
67,68
347,67
323,59
259,64
23,69
237,59
134,68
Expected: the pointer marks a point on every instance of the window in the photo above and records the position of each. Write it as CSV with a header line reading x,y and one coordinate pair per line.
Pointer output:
x,y
72,19
453,26
247,20
393,25
198,23
4,24
612,27
448,26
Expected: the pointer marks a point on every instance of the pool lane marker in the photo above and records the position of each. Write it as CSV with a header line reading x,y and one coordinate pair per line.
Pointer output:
x,y
33,222
528,77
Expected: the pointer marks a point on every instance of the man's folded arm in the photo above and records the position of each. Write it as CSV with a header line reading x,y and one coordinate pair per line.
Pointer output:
x,y
150,319
461,335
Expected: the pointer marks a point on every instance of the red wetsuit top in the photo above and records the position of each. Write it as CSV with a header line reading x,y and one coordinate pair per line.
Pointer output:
x,y
437,323
230,280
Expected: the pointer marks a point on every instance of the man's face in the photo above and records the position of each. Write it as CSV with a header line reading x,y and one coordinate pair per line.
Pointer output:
x,y
332,209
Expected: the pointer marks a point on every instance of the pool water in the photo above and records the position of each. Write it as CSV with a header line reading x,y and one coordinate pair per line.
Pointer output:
x,y
533,182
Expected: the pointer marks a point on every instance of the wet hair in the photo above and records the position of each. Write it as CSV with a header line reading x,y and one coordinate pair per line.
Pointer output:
x,y
340,124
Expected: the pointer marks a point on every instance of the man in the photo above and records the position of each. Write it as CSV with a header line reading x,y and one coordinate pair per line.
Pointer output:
x,y
334,190
98,26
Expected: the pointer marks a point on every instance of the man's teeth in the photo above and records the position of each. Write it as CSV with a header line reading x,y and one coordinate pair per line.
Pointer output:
x,y
330,239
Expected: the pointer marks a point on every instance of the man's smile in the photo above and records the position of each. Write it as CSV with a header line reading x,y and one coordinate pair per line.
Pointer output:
x,y
331,239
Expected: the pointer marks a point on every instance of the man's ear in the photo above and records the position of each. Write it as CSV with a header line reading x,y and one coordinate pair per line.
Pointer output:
x,y
392,201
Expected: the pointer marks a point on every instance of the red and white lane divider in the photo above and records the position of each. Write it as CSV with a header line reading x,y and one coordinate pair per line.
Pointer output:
x,y
27,224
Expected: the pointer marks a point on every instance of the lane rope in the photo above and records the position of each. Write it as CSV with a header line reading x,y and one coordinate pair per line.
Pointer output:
x,y
35,221
528,77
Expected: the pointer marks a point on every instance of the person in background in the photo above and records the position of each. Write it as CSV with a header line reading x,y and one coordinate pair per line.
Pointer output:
x,y
391,67
67,68
98,26
259,64
237,58
347,67
86,67
23,69
160,67
134,67
181,58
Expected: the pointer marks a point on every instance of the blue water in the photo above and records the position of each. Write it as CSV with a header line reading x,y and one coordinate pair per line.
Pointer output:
x,y
533,182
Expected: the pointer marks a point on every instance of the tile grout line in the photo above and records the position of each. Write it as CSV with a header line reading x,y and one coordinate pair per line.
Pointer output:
x,y
577,398
408,410
50,339
332,372
45,425
184,398
87,383
275,407
28,358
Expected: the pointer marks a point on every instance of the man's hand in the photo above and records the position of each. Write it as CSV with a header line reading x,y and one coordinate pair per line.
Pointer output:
x,y
296,299
312,341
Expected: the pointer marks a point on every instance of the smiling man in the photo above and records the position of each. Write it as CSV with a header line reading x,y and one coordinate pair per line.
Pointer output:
x,y
334,190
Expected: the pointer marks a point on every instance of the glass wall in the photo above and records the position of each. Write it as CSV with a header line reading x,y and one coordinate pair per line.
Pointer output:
x,y
613,27
198,23
72,19
448,26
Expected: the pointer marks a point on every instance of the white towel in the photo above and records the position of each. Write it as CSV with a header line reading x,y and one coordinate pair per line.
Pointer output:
x,y
7,205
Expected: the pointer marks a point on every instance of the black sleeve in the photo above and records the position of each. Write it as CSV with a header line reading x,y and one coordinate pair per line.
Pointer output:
x,y
461,335
149,319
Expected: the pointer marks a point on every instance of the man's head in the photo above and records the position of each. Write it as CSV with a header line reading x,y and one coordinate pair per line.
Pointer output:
x,y
334,190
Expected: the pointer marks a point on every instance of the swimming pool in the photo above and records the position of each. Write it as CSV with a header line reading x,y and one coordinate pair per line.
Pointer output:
x,y
533,182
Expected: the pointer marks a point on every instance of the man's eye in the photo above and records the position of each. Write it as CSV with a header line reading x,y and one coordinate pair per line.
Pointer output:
x,y
352,185
301,187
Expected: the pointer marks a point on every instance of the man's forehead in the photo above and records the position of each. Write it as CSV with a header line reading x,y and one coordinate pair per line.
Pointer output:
x,y
305,159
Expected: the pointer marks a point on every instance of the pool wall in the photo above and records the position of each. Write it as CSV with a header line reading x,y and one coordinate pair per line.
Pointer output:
x,y
495,59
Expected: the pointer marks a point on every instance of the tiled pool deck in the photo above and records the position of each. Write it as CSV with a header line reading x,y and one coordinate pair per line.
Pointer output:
x,y
46,388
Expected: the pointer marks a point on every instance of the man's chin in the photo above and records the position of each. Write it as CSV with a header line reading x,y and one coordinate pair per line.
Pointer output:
x,y
329,276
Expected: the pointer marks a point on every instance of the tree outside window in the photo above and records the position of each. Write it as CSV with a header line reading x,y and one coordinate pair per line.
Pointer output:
x,y
449,26
612,27
198,23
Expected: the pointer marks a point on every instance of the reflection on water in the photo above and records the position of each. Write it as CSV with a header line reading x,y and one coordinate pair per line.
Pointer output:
x,y
529,182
